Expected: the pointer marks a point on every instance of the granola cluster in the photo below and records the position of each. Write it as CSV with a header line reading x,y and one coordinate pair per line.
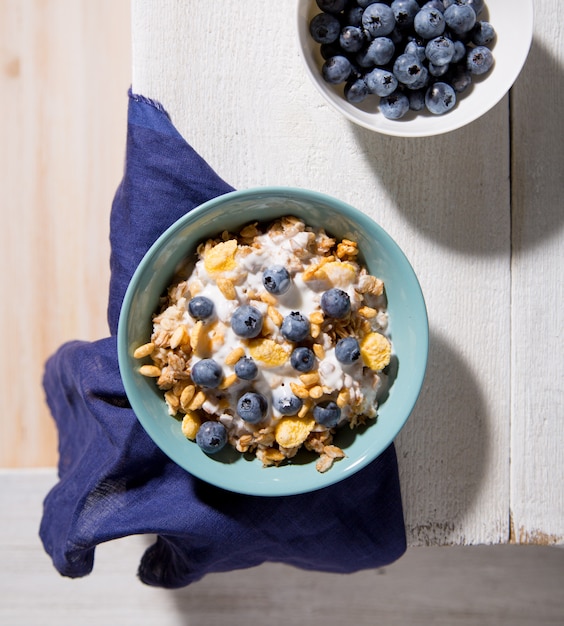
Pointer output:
x,y
229,272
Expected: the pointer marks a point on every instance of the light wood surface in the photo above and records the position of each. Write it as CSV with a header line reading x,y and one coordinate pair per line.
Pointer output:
x,y
66,69
478,212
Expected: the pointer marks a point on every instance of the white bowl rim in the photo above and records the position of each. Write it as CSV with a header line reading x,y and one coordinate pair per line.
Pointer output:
x,y
504,78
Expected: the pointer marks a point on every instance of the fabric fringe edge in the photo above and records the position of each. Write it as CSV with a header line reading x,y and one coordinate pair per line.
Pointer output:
x,y
154,103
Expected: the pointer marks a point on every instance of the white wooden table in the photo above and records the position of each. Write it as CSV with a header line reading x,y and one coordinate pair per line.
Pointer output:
x,y
478,212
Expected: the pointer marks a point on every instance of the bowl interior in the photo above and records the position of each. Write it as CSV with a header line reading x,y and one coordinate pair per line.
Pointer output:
x,y
513,22
408,327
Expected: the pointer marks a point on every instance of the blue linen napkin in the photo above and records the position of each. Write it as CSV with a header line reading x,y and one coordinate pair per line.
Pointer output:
x,y
114,481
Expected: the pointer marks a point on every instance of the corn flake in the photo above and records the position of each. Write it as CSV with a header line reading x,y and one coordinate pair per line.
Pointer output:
x,y
221,258
190,425
293,431
340,274
268,352
375,350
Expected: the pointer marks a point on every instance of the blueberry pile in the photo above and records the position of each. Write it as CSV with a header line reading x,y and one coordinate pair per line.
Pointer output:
x,y
414,55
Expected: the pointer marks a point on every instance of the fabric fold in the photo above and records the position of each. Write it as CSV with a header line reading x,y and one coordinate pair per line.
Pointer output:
x,y
113,480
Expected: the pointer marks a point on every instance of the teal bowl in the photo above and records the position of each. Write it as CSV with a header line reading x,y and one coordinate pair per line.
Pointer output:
x,y
408,329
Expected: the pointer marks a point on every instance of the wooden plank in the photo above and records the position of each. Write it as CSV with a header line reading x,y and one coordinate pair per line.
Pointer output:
x,y
537,454
238,92
65,74
454,586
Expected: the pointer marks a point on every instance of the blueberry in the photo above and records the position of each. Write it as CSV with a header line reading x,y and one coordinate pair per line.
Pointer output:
x,y
327,414
347,350
351,39
460,79
356,71
437,5
252,407
429,23
207,373
395,106
288,403
416,99
439,50
211,437
422,80
404,12
331,6
477,5
381,82
246,368
479,60
460,18
438,70
380,51
325,28
378,19
295,326
363,60
276,279
246,321
440,98
415,48
459,51
353,16
336,69
336,303
200,308
407,68
482,34
303,359
328,50
356,90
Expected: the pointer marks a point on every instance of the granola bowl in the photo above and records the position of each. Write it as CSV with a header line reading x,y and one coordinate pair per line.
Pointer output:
x,y
243,470
513,24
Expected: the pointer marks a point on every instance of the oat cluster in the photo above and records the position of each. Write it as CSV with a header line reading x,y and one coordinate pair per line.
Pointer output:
x,y
228,270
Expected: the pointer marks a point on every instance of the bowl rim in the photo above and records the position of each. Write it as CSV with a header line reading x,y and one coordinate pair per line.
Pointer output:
x,y
399,128
273,486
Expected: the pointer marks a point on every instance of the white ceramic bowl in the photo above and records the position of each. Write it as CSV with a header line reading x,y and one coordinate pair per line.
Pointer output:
x,y
408,327
513,22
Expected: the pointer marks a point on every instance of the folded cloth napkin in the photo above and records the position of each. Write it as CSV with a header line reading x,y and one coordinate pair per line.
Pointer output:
x,y
113,480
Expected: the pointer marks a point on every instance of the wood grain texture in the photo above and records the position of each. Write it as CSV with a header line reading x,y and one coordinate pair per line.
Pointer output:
x,y
66,68
448,586
537,453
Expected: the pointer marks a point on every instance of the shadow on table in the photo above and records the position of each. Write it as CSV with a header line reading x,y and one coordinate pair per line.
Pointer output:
x,y
443,451
537,150
443,185
466,586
